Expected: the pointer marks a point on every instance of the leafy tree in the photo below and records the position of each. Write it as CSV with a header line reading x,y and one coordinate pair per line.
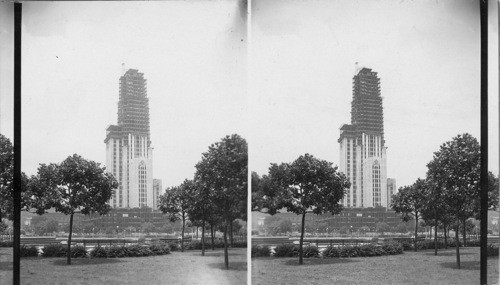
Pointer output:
x,y
382,227
148,228
455,168
74,185
401,228
306,185
409,202
224,170
176,202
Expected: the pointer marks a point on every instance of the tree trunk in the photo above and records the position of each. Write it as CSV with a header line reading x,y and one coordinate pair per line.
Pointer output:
x,y
212,232
68,256
196,232
231,233
458,243
182,233
226,257
436,238
416,231
301,261
445,229
464,232
203,238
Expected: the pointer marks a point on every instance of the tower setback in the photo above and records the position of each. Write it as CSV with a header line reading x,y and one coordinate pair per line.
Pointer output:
x,y
129,155
362,145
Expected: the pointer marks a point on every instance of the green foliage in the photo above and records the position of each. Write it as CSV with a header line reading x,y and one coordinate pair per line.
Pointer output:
x,y
392,248
311,251
98,252
160,249
54,250
79,251
348,251
492,250
260,251
173,246
286,250
331,251
240,244
28,251
6,243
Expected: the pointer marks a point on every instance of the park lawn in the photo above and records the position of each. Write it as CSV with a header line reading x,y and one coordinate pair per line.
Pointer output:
x,y
408,268
187,267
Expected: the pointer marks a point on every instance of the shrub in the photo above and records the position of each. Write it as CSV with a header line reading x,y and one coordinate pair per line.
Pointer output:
x,y
367,250
7,243
159,249
194,244
28,251
138,250
174,246
474,243
238,244
116,251
260,250
286,250
98,252
55,250
348,251
331,251
78,251
310,251
392,248
492,250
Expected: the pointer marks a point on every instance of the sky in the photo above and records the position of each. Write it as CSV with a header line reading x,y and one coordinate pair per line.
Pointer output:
x,y
426,53
287,88
192,54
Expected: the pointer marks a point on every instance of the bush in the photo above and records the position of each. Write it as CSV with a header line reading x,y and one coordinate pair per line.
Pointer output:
x,y
174,246
98,252
7,243
392,248
55,250
78,251
367,250
260,250
194,244
159,249
348,251
286,250
138,250
331,251
310,251
239,244
28,251
492,250
116,251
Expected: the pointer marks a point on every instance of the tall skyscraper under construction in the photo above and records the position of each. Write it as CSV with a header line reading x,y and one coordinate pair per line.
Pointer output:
x,y
129,155
362,145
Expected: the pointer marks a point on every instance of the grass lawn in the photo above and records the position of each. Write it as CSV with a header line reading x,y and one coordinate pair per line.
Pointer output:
x,y
176,268
408,268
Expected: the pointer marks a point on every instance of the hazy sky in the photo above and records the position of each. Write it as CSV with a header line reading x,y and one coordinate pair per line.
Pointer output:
x,y
301,62
193,55
426,54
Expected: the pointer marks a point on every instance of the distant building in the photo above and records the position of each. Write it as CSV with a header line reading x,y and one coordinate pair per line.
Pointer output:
x,y
157,192
129,156
362,144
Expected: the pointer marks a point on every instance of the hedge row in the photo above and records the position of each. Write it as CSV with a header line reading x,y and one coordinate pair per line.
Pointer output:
x,y
196,244
7,243
261,250
366,250
60,250
429,244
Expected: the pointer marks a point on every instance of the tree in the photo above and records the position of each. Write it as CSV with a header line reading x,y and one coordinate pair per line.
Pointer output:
x,y
401,228
306,185
382,227
409,202
455,168
74,185
147,228
224,169
176,202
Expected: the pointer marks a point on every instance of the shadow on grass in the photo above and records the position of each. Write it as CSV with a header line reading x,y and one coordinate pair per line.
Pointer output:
x,y
319,261
6,266
449,253
219,253
86,261
235,266
464,265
